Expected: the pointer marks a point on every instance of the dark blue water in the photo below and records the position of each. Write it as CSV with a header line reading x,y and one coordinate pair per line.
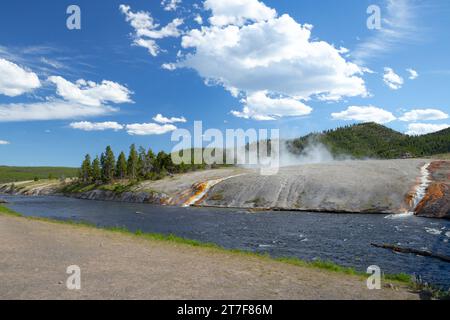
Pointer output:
x,y
342,238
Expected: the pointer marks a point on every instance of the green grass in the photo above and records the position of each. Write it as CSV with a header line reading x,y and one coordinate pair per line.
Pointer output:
x,y
118,188
15,174
318,264
7,211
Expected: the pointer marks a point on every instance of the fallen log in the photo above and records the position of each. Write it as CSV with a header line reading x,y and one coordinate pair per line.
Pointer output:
x,y
423,253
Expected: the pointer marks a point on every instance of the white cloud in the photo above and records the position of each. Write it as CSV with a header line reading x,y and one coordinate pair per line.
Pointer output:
x,y
413,74
169,66
164,120
15,80
415,129
398,27
259,106
424,115
391,79
364,114
275,55
4,142
170,5
248,48
146,30
238,12
147,129
96,126
50,110
90,93
198,19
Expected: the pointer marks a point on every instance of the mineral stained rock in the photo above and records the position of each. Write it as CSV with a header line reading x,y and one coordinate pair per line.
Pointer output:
x,y
436,202
370,186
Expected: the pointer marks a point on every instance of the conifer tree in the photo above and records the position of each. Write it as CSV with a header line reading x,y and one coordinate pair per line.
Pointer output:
x,y
121,168
108,165
133,160
96,170
86,170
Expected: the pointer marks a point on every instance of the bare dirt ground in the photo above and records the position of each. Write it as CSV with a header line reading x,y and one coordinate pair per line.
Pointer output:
x,y
35,254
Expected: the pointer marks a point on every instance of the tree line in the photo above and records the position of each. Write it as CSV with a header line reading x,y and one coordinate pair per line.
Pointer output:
x,y
140,164
374,140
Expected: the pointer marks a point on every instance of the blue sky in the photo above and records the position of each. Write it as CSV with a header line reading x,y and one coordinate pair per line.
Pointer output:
x,y
257,64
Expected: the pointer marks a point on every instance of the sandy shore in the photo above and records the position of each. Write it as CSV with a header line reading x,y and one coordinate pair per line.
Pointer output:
x,y
35,255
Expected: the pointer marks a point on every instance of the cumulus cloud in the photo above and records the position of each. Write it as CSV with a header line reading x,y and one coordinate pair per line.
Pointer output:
x,y
50,110
4,142
90,93
170,5
259,106
147,31
169,66
146,129
198,19
249,49
96,126
277,56
364,114
424,115
77,100
391,79
164,120
238,12
15,80
415,129
139,129
413,74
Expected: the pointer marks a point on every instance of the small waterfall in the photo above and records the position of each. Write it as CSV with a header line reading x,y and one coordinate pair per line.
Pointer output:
x,y
421,189
419,193
202,190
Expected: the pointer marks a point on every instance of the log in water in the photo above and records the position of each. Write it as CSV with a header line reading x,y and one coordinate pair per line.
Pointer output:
x,y
423,253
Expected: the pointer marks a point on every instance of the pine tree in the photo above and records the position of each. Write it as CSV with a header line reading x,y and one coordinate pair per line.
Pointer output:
x,y
102,166
133,160
86,170
121,168
96,170
108,165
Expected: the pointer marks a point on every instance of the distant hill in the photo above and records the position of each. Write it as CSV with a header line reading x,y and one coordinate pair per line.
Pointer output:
x,y
375,141
13,174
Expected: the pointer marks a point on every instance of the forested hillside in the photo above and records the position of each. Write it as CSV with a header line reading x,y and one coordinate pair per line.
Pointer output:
x,y
376,141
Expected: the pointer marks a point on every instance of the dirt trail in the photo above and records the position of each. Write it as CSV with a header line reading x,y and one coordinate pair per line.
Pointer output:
x,y
35,254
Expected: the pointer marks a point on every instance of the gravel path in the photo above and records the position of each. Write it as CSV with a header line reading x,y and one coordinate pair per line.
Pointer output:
x,y
35,254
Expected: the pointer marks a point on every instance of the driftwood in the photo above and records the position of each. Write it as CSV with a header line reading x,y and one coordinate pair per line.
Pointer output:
x,y
414,251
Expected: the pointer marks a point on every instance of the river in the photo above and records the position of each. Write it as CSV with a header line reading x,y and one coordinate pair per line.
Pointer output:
x,y
341,238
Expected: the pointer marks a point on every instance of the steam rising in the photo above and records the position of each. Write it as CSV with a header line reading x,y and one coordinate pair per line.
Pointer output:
x,y
314,152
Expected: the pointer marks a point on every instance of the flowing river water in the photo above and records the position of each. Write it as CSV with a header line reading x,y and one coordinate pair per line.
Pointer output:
x,y
341,238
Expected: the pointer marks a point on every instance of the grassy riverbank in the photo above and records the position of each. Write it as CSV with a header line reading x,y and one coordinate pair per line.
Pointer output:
x,y
15,174
318,264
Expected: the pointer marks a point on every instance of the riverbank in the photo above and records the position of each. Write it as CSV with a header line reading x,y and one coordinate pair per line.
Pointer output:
x,y
120,265
370,186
